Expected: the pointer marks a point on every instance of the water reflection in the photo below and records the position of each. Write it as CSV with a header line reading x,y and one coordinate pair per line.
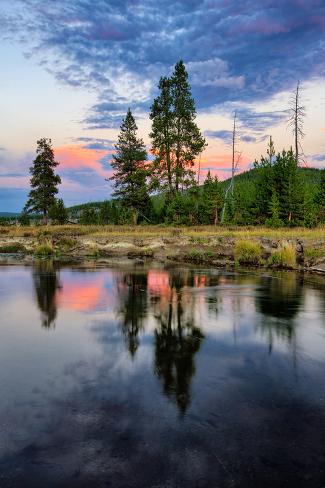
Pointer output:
x,y
281,297
166,303
170,365
132,307
177,339
46,285
279,300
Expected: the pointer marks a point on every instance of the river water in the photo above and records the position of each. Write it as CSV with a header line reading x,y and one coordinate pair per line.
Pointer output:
x,y
161,377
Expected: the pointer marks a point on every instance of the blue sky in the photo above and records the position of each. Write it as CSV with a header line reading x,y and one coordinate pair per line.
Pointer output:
x,y
71,70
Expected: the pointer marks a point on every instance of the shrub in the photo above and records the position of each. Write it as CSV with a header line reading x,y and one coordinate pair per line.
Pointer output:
x,y
195,255
12,248
45,249
65,244
285,257
247,252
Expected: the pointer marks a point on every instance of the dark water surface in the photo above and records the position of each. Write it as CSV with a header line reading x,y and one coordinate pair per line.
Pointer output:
x,y
161,377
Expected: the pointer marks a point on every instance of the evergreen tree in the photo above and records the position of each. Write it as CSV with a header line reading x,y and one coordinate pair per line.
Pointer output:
x,y
23,218
43,180
279,179
176,139
274,208
211,201
181,210
289,187
320,198
88,216
58,213
265,184
130,172
163,137
310,211
105,213
189,142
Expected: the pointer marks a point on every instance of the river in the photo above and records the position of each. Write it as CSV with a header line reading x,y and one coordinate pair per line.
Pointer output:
x,y
136,376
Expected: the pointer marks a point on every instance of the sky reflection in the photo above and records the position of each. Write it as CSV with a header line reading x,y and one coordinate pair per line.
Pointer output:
x,y
140,377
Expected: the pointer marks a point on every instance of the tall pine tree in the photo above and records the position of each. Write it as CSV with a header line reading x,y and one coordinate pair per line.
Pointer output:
x,y
189,142
162,136
130,171
176,139
44,181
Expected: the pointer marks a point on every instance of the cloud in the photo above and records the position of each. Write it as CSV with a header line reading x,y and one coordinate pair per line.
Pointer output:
x,y
14,181
318,157
234,53
251,139
83,169
80,158
95,144
101,118
224,135
213,72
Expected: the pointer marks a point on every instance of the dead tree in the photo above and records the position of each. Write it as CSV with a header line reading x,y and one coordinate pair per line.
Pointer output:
x,y
234,166
296,121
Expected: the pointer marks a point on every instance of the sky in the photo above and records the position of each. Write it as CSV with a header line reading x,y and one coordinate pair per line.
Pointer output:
x,y
70,70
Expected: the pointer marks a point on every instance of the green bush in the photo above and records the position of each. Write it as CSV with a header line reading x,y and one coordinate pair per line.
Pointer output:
x,y
12,248
247,252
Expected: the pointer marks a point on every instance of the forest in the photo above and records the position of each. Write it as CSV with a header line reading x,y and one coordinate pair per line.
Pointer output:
x,y
162,186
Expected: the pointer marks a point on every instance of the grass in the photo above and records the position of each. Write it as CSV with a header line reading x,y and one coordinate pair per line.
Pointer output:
x,y
66,244
285,257
198,256
313,253
163,231
15,247
44,249
203,241
247,252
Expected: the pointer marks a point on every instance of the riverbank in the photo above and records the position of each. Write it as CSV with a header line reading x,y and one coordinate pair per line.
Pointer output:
x,y
297,248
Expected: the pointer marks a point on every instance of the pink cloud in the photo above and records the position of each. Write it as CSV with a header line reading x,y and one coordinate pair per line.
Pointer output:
x,y
14,181
78,157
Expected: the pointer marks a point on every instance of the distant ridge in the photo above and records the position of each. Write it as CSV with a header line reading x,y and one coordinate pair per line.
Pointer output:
x,y
9,214
311,176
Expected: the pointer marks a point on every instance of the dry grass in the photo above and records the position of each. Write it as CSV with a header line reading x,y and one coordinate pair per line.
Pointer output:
x,y
45,248
285,257
247,252
164,231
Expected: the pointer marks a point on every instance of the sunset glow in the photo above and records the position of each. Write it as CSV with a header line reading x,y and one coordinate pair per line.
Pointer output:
x,y
71,75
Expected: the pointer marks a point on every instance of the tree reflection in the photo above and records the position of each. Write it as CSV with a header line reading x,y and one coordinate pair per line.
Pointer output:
x,y
132,295
279,301
177,339
46,283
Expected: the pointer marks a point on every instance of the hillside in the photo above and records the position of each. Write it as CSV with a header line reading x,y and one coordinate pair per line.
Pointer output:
x,y
7,215
311,177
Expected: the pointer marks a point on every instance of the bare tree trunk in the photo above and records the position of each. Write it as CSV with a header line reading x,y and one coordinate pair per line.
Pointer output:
x,y
198,173
230,189
233,155
135,216
296,122
216,216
